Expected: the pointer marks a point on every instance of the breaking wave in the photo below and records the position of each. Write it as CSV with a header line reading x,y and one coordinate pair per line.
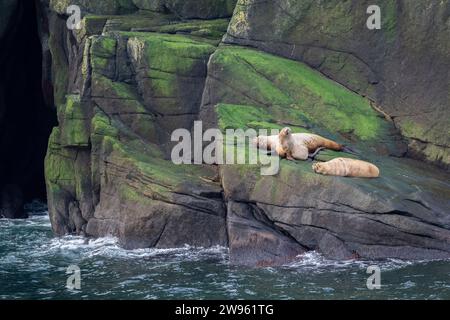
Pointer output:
x,y
35,264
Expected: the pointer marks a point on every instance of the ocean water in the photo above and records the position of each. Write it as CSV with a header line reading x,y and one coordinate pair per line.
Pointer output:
x,y
33,265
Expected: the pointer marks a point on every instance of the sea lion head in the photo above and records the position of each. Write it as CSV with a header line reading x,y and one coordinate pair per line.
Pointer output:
x,y
285,132
317,167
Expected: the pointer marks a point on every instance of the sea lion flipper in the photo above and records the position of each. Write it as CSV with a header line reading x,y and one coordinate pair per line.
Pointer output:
x,y
347,149
313,155
289,157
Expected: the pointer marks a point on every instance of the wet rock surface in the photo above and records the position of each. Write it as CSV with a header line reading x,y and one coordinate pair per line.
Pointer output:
x,y
137,70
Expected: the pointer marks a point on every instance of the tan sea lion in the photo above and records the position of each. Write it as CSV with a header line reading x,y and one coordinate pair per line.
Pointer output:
x,y
347,168
299,145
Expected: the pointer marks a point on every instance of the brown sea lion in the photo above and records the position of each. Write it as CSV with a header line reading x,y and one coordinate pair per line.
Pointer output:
x,y
347,168
299,146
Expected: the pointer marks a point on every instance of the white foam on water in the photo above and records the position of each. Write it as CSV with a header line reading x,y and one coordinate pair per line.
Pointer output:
x,y
313,260
408,284
41,219
154,273
109,247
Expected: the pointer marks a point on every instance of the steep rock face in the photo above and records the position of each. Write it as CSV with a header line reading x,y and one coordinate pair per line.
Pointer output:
x,y
105,7
403,67
123,83
403,214
204,9
125,92
190,9
255,240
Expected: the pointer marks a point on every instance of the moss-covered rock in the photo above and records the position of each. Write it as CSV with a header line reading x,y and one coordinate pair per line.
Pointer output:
x,y
409,82
248,89
145,74
145,185
136,88
74,123
366,215
287,93
60,65
250,117
209,29
171,70
104,87
59,162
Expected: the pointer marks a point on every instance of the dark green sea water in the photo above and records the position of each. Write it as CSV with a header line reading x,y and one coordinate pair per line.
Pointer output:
x,y
33,265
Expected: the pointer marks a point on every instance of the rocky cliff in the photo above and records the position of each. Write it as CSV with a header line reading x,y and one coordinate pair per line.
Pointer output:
x,y
403,67
137,70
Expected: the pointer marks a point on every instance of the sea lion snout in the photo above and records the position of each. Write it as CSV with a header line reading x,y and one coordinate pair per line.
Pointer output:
x,y
286,131
316,167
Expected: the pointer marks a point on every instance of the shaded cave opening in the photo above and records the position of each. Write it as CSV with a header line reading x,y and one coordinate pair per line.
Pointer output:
x,y
27,114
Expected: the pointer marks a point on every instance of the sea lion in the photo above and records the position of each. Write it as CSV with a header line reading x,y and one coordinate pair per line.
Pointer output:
x,y
347,168
300,145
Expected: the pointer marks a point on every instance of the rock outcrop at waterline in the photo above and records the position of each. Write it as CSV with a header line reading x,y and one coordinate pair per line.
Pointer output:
x,y
137,70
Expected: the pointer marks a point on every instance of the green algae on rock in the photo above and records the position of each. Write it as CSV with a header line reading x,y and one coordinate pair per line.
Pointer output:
x,y
394,66
130,79
135,87
289,93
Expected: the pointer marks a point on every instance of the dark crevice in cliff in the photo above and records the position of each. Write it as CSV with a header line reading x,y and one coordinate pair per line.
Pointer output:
x,y
26,118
